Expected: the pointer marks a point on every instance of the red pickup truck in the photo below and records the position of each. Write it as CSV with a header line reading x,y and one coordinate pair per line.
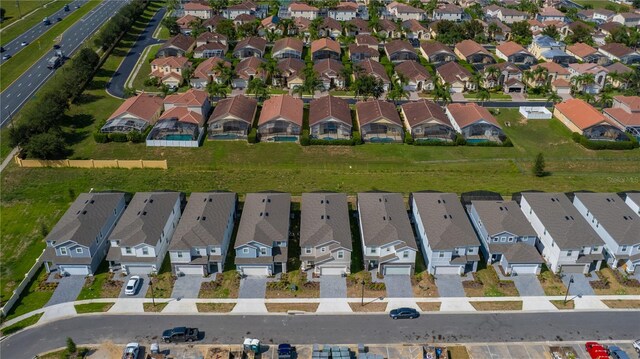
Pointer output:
x,y
596,350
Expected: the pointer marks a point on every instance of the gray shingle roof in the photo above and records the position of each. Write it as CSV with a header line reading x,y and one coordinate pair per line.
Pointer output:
x,y
265,219
445,221
144,218
82,222
325,219
204,221
384,219
517,253
634,196
562,220
614,215
503,216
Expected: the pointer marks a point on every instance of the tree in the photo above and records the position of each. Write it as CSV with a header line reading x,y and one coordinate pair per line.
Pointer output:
x,y
187,74
129,92
552,32
216,90
227,28
196,27
224,72
539,166
553,98
46,146
2,13
493,74
636,4
71,345
472,29
441,91
398,92
274,7
475,11
171,24
367,86
270,67
581,33
521,33
448,32
218,5
484,95
493,29
258,88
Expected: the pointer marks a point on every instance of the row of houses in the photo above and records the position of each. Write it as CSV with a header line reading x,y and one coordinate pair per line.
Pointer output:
x,y
569,235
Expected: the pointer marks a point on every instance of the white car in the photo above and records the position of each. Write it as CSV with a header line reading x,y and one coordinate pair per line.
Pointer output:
x,y
131,351
636,346
132,285
24,43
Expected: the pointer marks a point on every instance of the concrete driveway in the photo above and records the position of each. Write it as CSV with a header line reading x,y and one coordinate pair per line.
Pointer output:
x,y
188,286
142,288
67,290
450,285
398,286
252,287
528,285
333,286
580,285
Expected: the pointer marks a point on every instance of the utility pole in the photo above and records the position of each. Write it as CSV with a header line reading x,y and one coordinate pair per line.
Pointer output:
x,y
568,287
362,296
153,297
18,6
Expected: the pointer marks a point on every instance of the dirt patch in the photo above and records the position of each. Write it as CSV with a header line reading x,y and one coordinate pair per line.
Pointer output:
x,y
429,306
293,285
369,307
560,304
149,307
622,304
106,350
226,285
498,305
424,285
215,307
285,307
371,289
458,352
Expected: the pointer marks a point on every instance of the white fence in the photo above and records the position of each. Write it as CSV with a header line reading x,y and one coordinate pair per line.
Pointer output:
x,y
535,113
22,286
177,143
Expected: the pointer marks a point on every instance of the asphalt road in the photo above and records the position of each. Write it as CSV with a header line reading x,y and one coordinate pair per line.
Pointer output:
x,y
12,47
116,86
14,96
309,329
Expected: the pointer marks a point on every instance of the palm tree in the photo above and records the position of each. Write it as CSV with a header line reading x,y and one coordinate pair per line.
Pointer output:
x,y
606,97
225,73
477,80
493,29
589,98
484,95
216,90
285,24
258,88
553,98
270,67
493,73
398,92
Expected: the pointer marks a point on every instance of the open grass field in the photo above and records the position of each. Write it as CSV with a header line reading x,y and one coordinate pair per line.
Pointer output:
x,y
35,296
30,21
20,62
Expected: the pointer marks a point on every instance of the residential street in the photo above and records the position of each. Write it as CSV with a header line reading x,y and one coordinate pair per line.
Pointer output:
x,y
309,329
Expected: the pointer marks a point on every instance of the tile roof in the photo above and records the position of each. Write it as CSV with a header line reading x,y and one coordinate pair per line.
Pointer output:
x,y
301,23
470,113
245,5
580,113
432,47
470,47
503,216
204,221
384,220
208,66
331,23
369,111
265,219
363,49
552,67
452,71
412,70
329,106
618,219
196,6
610,26
623,117
365,39
617,49
633,102
444,220
283,106
211,46
174,62
418,112
449,9
143,106
394,46
192,97
255,42
509,48
250,66
413,25
326,66
183,114
373,67
296,6
618,68
387,25
581,49
244,18
404,8
240,107
287,42
590,68
211,37
325,219
550,11
325,43
291,66
181,41
359,24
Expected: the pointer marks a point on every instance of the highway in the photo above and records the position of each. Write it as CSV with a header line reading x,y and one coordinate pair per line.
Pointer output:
x,y
21,90
12,47
338,329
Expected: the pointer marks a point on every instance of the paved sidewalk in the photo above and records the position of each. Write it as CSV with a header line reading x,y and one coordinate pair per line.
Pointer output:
x,y
58,311
537,304
8,159
456,305
334,306
181,306
250,306
128,305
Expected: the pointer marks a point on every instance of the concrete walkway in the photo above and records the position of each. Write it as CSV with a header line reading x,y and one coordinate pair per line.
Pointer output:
x,y
8,159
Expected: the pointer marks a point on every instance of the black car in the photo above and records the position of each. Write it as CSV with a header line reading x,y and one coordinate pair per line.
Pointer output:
x,y
180,334
58,19
286,351
404,313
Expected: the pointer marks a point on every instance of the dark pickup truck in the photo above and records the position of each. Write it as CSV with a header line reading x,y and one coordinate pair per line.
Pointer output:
x,y
180,334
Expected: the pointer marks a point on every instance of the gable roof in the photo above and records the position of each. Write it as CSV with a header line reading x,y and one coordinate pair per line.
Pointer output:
x,y
449,9
363,49
196,6
324,219
369,111
469,113
552,67
287,42
241,107
417,112
581,49
283,106
329,106
444,220
207,66
470,47
580,113
633,102
618,219
387,25
331,23
143,106
617,49
297,6
509,48
265,219
394,46
451,71
192,97
183,114
384,220
250,66
366,39
503,216
208,36
412,70
328,65
255,42
174,62
619,68
325,43
181,41
404,8
587,68
413,25
244,18
211,46
84,219
293,65
204,221
432,47
374,68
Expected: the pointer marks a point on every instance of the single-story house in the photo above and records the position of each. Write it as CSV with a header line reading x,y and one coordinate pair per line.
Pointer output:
x,y
473,53
427,121
437,52
281,119
325,49
399,51
474,122
330,119
250,47
379,121
232,118
330,73
178,45
416,75
457,76
584,119
288,47
248,69
134,114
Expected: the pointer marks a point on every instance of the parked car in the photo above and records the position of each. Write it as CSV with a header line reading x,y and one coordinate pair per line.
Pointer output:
x,y
616,353
404,313
6,57
24,43
131,351
180,334
286,351
1,49
636,346
596,350
66,7
132,285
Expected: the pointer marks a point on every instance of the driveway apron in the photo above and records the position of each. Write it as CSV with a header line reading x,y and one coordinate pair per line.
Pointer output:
x,y
253,287
398,286
450,285
333,286
528,285
67,290
188,286
580,285
142,288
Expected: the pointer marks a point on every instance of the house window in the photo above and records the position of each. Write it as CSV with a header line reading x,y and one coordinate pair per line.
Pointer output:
x,y
470,250
441,254
373,250
78,250
594,249
503,239
569,253
63,251
340,254
405,254
323,249
510,239
307,250
127,250
263,251
214,250
623,248
388,249
245,250
495,239
145,251
179,254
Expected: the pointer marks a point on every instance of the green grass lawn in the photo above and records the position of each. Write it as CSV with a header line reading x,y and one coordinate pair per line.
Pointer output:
x,y
597,4
494,96
342,93
13,11
32,20
145,69
93,307
4,144
20,62
21,324
35,296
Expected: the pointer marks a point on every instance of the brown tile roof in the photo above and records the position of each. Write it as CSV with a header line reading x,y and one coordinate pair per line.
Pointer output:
x,y
328,65
246,5
284,106
624,117
211,37
404,8
413,71
588,68
449,9
354,49
470,47
616,49
581,49
291,66
288,42
325,43
610,26
552,67
239,106
296,6
509,48
364,39
369,111
245,18
183,114
360,24
250,66
580,113
452,72
301,23
561,83
267,21
331,23
211,46
329,106
181,41
255,42
418,112
186,20
433,47
207,67
504,66
195,6
172,61
143,106
413,25
619,68
394,46
633,102
550,11
374,68
387,25
213,21
192,97
470,113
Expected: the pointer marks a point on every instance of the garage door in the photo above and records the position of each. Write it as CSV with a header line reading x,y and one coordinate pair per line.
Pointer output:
x,y
190,270
255,271
524,269
446,270
397,270
573,268
76,270
139,269
332,270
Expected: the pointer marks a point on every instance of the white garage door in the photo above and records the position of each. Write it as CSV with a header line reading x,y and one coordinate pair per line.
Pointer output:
x,y
255,271
397,270
447,270
332,270
190,270
139,269
76,270
573,268
524,269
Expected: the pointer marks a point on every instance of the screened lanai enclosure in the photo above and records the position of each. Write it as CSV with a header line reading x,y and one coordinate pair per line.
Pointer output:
x,y
228,129
174,133
482,132
604,132
124,125
433,131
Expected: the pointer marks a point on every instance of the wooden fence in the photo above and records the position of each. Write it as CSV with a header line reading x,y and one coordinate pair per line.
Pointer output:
x,y
162,164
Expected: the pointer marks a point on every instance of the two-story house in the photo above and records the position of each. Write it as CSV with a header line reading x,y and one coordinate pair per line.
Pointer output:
x,y
246,7
515,53
625,114
567,242
617,225
344,11
388,243
507,236
448,243
325,233
448,12
140,240
262,242
303,10
199,10
201,240
78,242
405,12
633,200
547,49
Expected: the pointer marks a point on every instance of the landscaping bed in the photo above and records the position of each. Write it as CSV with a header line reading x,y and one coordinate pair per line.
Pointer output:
x,y
498,305
215,307
561,304
429,306
149,307
612,281
371,289
458,352
226,285
293,284
486,283
101,285
162,283
285,307
551,283
369,307
424,285
93,307
622,304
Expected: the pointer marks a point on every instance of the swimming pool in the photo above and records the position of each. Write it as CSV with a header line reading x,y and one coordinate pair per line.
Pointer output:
x,y
179,138
285,138
381,139
477,140
224,136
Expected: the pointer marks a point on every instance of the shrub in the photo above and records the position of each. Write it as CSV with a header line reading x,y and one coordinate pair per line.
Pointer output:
x,y
304,139
100,137
252,137
118,137
407,138
135,136
357,138
317,142
46,146
630,144
71,345
434,143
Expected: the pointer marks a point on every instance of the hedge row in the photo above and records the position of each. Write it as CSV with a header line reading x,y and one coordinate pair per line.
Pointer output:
x,y
605,145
